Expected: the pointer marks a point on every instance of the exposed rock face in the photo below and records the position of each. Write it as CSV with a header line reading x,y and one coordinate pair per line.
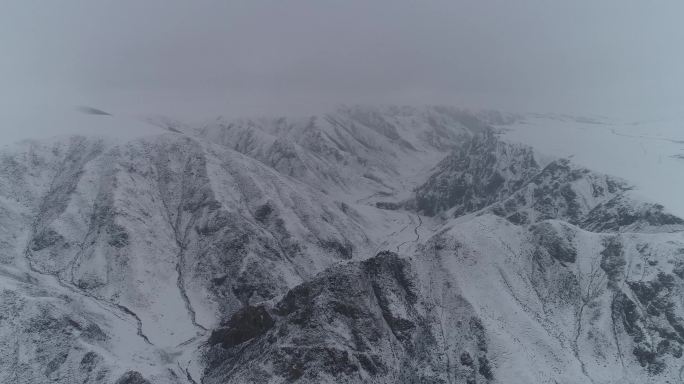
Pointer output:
x,y
482,171
132,377
506,180
361,322
387,245
246,324
623,213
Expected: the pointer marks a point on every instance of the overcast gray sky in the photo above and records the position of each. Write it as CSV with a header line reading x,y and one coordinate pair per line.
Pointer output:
x,y
613,57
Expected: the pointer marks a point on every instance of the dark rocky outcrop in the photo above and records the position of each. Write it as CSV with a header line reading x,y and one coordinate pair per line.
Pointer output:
x,y
480,172
338,327
505,180
132,377
622,213
244,325
555,242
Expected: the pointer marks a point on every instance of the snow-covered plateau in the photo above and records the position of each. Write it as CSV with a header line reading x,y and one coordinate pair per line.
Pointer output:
x,y
364,245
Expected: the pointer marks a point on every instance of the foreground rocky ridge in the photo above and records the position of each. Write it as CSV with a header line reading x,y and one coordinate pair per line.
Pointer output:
x,y
365,245
362,322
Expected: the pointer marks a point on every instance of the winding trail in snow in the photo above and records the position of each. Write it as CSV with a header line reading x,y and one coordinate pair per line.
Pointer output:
x,y
415,230
398,247
656,138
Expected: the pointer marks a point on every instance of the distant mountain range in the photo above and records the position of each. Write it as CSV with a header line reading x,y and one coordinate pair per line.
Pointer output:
x,y
365,245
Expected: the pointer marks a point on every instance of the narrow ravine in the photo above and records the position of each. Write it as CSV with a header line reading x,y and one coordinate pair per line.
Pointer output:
x,y
180,282
180,240
110,306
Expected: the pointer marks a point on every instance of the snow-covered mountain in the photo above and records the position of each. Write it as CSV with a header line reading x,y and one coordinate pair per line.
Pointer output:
x,y
380,245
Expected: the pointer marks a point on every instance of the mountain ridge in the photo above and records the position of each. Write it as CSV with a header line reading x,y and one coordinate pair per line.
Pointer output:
x,y
332,249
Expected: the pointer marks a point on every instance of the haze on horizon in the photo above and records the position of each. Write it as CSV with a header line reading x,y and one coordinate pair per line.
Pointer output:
x,y
619,58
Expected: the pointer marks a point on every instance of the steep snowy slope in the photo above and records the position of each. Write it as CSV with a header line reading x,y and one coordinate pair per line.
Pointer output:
x,y
564,305
116,223
358,150
380,245
50,332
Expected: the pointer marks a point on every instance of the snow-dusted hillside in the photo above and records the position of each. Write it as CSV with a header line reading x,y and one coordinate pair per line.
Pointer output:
x,y
384,245
650,154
